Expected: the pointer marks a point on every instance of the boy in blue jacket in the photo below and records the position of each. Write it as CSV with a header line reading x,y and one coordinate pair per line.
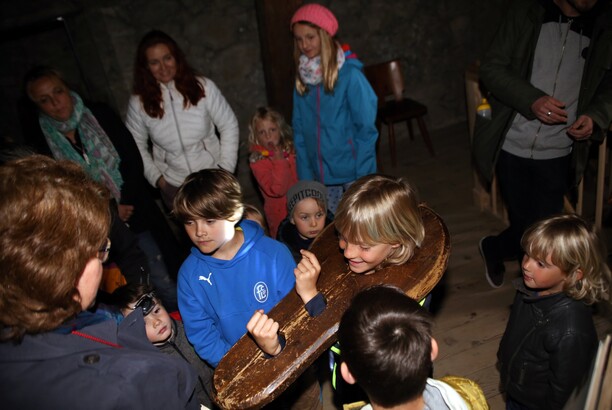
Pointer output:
x,y
233,273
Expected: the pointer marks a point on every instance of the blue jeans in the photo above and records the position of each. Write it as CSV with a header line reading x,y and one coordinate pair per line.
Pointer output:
x,y
164,286
334,194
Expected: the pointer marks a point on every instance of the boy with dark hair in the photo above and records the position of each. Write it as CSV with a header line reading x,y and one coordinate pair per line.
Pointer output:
x,y
164,332
234,271
234,275
388,350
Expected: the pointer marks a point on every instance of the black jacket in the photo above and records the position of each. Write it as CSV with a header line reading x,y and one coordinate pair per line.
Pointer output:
x,y
289,235
547,348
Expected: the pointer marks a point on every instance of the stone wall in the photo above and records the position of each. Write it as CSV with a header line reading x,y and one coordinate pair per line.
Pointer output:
x,y
435,39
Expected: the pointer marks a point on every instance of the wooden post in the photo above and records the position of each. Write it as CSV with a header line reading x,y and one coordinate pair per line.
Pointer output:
x,y
273,17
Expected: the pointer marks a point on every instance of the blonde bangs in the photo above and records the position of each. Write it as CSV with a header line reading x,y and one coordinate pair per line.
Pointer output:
x,y
563,241
377,209
357,226
573,244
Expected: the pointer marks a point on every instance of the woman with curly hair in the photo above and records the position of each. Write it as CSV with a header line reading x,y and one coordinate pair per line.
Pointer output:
x,y
179,111
56,351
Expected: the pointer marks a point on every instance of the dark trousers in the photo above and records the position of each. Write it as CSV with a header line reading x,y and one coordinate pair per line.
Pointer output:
x,y
532,190
514,405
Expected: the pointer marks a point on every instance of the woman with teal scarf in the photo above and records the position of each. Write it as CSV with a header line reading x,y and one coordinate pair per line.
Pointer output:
x,y
95,138
79,138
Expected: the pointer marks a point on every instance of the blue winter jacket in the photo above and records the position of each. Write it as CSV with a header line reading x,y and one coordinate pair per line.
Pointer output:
x,y
335,133
218,297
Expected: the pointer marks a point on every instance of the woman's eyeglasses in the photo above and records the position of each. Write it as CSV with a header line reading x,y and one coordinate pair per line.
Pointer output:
x,y
146,302
104,251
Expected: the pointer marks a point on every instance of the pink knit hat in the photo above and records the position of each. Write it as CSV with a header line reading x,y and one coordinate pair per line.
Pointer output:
x,y
318,15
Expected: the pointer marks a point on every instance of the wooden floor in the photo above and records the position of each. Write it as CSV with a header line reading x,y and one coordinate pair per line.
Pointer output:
x,y
470,315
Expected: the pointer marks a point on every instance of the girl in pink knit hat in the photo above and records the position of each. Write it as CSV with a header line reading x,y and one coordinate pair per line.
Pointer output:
x,y
334,106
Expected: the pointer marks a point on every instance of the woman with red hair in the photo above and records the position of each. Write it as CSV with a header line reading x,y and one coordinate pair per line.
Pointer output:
x,y
178,111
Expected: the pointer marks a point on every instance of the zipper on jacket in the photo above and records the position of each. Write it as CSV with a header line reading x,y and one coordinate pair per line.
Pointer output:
x,y
319,133
517,350
353,150
569,26
178,130
539,324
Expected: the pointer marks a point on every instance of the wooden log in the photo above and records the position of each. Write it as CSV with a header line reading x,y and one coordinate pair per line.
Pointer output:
x,y
245,379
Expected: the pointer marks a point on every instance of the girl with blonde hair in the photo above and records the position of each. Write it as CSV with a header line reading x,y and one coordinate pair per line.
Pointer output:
x,y
272,161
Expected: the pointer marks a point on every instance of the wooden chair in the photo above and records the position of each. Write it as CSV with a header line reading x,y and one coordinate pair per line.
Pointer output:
x,y
387,81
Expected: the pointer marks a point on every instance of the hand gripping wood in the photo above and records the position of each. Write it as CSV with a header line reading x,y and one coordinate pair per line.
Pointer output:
x,y
245,379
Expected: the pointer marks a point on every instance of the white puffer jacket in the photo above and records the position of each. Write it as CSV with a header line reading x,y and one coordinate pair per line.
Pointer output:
x,y
184,140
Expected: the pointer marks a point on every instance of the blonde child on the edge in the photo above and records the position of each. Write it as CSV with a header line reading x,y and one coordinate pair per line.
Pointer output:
x,y
550,338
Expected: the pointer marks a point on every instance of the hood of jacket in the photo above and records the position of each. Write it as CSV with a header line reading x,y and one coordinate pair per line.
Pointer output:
x,y
252,233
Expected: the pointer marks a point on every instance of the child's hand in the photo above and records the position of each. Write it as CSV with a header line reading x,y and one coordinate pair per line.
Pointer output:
x,y
265,332
276,151
306,276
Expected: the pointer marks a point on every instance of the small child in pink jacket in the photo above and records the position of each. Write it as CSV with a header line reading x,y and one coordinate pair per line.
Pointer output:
x,y
272,161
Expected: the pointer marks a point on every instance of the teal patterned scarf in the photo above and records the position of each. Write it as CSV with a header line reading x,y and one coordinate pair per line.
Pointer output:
x,y
101,160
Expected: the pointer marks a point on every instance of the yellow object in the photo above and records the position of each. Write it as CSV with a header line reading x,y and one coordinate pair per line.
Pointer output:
x,y
354,406
469,390
484,105
112,278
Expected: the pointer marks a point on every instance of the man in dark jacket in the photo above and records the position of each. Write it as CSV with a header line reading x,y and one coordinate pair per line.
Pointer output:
x,y
548,71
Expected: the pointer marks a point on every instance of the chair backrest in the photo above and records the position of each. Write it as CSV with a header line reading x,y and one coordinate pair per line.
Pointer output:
x,y
386,79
